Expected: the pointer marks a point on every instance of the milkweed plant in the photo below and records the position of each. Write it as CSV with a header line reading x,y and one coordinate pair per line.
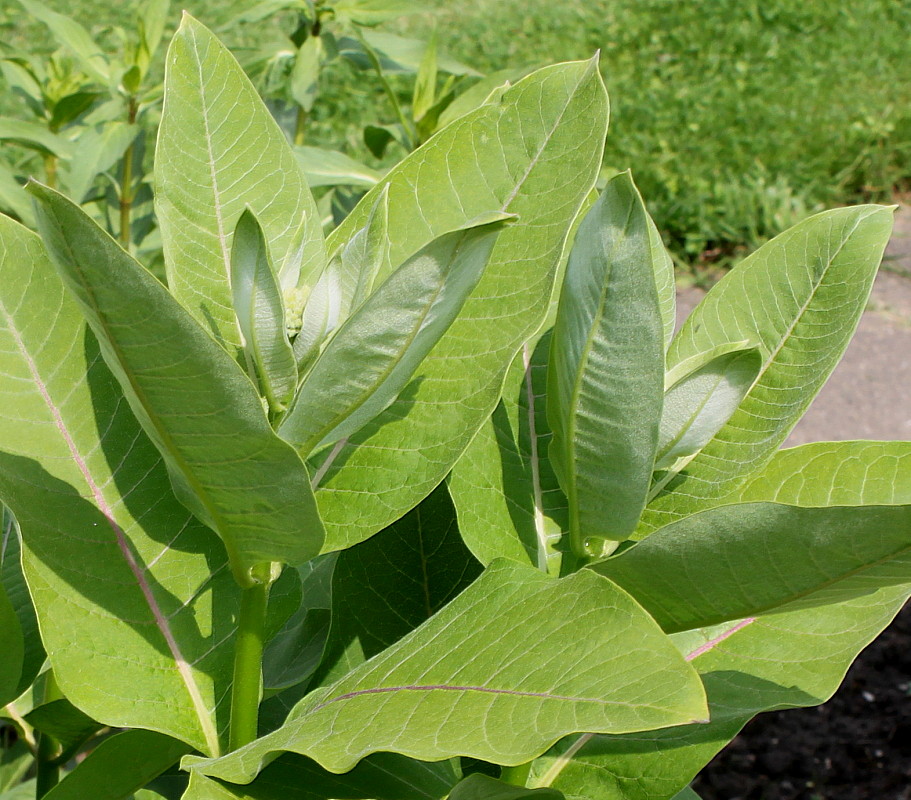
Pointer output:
x,y
437,505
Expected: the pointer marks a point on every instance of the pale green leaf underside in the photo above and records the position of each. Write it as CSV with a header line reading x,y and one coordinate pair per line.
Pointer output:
x,y
534,153
749,666
834,474
777,661
206,418
108,551
218,151
494,675
799,298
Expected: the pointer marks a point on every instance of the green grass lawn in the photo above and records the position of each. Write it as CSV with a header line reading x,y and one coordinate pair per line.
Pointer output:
x,y
737,116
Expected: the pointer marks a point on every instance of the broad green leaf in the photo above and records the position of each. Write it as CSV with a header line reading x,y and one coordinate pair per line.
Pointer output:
x,y
24,791
24,82
372,12
261,314
13,649
13,199
15,762
549,131
69,108
834,474
154,16
249,487
69,726
425,84
366,255
698,404
488,87
747,667
742,560
35,137
799,299
494,675
482,787
305,74
331,168
384,776
74,38
508,500
605,379
12,585
397,54
395,581
99,149
219,150
296,650
686,794
375,352
119,766
107,549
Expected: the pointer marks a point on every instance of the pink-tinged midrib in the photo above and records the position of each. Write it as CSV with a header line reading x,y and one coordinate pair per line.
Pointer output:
x,y
161,622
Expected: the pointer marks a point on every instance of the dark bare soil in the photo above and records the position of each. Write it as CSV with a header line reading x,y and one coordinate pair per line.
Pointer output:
x,y
855,747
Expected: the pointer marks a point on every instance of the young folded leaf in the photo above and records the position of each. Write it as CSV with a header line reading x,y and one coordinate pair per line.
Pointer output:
x,y
703,399
376,351
366,254
187,393
605,381
261,314
319,316
535,152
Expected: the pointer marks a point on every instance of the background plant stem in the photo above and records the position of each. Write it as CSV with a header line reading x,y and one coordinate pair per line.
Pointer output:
x,y
50,170
126,183
248,657
300,127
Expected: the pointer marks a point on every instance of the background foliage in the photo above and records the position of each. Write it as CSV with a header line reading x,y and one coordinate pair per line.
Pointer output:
x,y
737,117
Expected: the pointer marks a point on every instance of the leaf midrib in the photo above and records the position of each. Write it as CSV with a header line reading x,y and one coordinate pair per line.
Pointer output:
x,y
161,621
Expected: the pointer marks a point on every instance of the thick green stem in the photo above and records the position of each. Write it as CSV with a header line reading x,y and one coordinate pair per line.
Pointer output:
x,y
517,776
300,127
47,769
126,183
248,659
